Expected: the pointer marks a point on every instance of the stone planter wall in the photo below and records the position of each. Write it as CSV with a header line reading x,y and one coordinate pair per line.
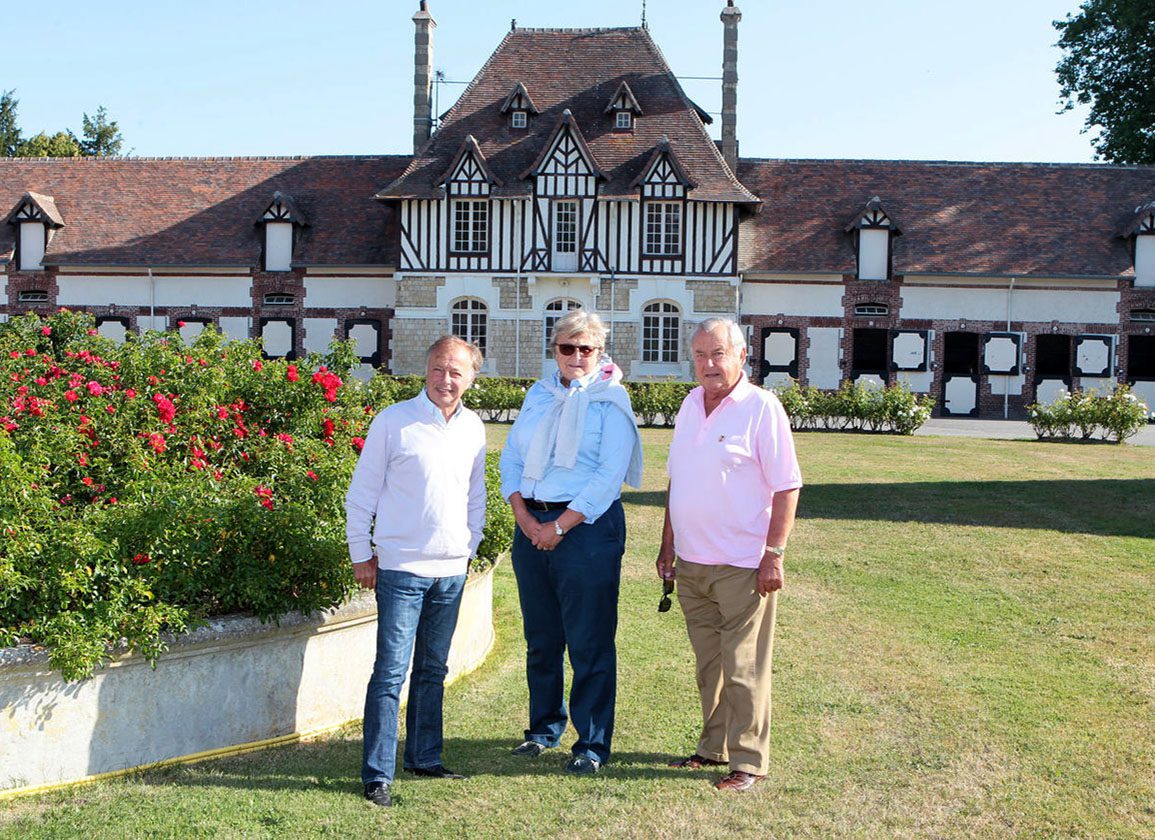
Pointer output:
x,y
234,685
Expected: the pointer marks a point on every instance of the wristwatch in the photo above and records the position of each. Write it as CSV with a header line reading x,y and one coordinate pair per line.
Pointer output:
x,y
776,550
557,529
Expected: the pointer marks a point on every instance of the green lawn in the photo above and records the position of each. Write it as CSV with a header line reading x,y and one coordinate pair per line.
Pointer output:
x,y
965,648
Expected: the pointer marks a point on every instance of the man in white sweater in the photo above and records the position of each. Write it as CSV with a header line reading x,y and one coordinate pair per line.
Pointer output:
x,y
414,515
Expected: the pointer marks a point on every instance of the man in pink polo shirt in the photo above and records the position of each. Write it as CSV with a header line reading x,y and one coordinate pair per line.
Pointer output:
x,y
734,482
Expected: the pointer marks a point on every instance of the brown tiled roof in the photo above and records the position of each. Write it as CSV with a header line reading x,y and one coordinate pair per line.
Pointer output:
x,y
579,70
1005,219
201,211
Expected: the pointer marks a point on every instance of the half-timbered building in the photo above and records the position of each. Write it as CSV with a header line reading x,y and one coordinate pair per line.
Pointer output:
x,y
574,171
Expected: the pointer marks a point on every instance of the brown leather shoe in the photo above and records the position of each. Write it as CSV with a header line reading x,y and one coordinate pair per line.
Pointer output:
x,y
696,762
738,780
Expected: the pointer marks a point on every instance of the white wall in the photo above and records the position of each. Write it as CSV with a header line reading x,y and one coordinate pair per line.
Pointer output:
x,y
1145,260
278,246
872,256
318,333
89,290
31,246
822,359
345,292
236,328
954,303
814,299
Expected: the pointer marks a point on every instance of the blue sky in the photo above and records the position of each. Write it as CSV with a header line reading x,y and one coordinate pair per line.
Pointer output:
x,y
898,79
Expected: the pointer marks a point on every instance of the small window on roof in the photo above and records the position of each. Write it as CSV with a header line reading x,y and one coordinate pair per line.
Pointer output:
x,y
624,120
278,299
871,309
518,119
33,296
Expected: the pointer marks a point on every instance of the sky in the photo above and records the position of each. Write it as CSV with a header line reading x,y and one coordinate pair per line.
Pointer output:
x,y
897,79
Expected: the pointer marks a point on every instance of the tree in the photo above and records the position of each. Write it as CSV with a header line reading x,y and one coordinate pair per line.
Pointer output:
x,y
102,137
60,144
10,138
1109,64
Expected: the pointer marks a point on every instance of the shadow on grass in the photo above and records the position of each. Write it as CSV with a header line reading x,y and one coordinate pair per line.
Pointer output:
x,y
1105,507
334,766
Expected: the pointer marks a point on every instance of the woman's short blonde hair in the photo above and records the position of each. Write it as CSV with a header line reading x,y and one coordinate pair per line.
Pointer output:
x,y
581,322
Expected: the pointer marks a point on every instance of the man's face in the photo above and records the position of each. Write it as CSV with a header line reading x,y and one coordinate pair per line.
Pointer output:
x,y
717,365
448,375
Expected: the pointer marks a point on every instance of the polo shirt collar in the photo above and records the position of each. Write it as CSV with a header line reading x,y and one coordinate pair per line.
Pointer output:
x,y
740,392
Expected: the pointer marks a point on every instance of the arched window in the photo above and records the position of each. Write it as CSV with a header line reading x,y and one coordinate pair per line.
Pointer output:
x,y
661,326
555,310
468,319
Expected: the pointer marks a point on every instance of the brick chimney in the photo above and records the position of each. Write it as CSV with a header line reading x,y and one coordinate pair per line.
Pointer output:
x,y
730,17
423,75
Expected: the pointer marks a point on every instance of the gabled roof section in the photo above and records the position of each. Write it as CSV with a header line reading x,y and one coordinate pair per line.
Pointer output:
x,y
161,212
978,219
579,70
664,151
470,150
1143,221
624,100
38,208
283,209
565,125
519,100
872,217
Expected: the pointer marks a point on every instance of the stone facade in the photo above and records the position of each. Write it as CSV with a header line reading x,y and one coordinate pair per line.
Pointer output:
x,y
411,338
713,296
621,296
508,298
418,291
502,355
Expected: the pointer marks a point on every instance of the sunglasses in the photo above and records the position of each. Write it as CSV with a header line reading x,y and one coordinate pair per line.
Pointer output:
x,y
667,591
570,349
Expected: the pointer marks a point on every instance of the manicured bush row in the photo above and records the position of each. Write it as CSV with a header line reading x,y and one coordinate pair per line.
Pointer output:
x,y
1086,415
856,407
146,486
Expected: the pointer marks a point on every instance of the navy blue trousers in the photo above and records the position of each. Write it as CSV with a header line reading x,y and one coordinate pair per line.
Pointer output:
x,y
569,599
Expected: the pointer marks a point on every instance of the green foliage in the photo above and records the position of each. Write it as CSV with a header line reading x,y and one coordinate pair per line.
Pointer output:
x,y
146,486
1109,64
494,398
497,536
657,401
1086,415
856,406
100,136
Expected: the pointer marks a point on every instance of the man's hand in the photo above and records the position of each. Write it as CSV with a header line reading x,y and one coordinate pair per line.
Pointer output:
x,y
366,573
546,538
665,563
770,574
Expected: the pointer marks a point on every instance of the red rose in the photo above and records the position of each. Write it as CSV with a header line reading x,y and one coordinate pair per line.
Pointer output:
x,y
291,373
46,330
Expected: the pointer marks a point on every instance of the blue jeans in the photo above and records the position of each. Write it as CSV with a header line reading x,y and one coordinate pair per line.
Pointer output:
x,y
416,617
569,599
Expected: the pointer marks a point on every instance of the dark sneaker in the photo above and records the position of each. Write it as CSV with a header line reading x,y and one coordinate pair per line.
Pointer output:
x,y
583,765
437,771
529,749
378,794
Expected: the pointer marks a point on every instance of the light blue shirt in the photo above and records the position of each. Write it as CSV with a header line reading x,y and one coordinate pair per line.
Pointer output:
x,y
603,455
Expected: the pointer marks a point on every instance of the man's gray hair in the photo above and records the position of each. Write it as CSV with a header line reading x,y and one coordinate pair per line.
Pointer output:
x,y
581,322
449,342
735,335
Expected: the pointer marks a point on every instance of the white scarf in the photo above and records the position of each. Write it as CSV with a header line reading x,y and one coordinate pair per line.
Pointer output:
x,y
560,432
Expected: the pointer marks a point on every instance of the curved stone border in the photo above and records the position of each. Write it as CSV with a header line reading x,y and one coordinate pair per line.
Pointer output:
x,y
231,686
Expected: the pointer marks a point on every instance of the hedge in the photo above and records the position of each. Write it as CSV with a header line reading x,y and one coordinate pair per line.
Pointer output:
x,y
856,407
1086,415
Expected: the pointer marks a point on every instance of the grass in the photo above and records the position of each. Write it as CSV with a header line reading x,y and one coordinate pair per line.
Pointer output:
x,y
965,648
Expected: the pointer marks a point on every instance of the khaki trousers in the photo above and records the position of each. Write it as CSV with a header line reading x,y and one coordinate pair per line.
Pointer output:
x,y
731,630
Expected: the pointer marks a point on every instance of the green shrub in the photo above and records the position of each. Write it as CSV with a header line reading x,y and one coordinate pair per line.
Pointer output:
x,y
149,485
856,406
1115,416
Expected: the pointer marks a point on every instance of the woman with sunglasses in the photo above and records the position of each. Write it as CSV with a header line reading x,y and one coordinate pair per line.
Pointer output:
x,y
574,441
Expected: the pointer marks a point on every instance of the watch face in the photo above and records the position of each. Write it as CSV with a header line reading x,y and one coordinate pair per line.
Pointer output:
x,y
557,529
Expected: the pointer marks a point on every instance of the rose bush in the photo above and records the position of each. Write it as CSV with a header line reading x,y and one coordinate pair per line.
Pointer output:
x,y
146,486
1088,414
856,406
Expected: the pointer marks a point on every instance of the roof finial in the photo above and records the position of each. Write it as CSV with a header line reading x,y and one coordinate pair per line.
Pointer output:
x,y
513,24
644,14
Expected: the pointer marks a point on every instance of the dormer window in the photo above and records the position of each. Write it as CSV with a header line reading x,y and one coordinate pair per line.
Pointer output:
x,y
36,219
33,296
519,106
281,220
624,106
278,299
1142,230
518,119
872,229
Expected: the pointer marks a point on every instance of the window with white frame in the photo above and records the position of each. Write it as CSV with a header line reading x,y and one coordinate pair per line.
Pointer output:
x,y
468,319
278,299
661,325
471,225
518,119
555,310
565,227
33,296
663,237
863,309
624,120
